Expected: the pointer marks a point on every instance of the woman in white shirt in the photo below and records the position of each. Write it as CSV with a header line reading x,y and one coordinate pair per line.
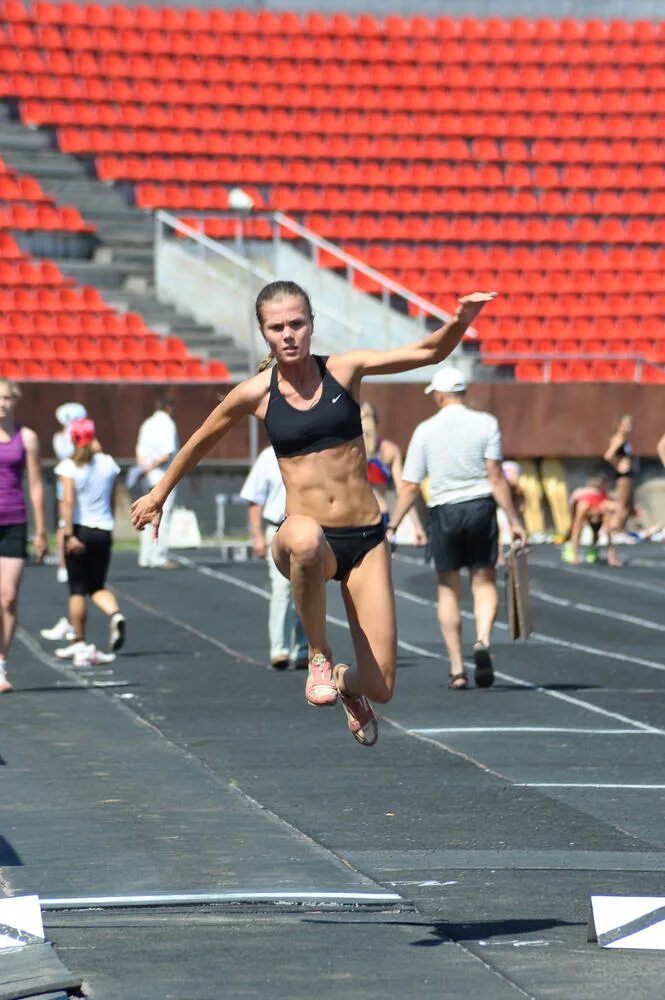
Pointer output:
x,y
88,478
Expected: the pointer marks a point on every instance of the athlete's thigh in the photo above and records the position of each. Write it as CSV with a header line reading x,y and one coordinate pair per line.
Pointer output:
x,y
370,606
297,532
11,571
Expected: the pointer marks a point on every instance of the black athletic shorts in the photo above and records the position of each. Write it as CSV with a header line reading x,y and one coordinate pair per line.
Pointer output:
x,y
87,570
464,535
351,544
14,541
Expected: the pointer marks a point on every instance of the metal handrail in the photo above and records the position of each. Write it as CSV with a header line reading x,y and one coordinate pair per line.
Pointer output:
x,y
215,246
352,264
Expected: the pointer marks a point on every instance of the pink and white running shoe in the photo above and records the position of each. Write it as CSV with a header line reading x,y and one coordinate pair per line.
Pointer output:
x,y
319,687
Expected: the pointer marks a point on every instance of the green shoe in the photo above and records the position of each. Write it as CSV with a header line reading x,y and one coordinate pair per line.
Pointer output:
x,y
591,554
567,553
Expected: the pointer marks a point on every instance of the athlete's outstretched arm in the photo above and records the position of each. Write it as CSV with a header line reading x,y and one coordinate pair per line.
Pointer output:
x,y
430,350
240,402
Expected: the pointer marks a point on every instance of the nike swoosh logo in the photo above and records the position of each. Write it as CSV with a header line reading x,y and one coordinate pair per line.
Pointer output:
x,y
335,398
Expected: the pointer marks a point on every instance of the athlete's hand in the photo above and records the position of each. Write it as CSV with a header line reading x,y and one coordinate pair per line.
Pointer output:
x,y
147,510
40,545
470,305
74,545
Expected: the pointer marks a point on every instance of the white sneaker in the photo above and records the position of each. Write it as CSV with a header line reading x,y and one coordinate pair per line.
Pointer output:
x,y
117,631
62,575
90,656
5,685
69,652
61,630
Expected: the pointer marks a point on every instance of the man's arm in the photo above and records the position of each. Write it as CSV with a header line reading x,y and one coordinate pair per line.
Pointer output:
x,y
35,489
254,519
407,496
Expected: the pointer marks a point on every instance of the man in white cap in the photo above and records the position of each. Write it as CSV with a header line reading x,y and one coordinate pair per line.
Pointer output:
x,y
460,451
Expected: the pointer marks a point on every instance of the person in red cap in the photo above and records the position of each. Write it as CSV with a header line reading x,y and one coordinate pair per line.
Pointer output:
x,y
88,478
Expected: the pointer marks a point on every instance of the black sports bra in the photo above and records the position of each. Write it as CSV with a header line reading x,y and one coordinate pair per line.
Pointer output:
x,y
334,420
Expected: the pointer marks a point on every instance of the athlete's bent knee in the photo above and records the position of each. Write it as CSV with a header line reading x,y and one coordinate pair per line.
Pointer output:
x,y
306,544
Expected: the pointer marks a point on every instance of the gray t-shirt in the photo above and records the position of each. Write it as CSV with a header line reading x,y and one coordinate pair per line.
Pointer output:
x,y
451,448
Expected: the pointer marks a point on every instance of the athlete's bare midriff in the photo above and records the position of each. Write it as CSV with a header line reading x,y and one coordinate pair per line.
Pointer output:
x,y
331,486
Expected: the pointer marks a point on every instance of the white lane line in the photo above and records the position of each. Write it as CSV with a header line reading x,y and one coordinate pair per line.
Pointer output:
x,y
262,592
542,637
588,706
589,609
583,573
530,729
584,784
236,654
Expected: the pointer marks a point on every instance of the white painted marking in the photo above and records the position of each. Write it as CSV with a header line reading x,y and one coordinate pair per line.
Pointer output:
x,y
174,899
592,610
262,592
589,706
530,729
584,784
584,573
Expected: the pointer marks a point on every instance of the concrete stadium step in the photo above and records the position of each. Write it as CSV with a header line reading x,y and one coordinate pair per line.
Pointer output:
x,y
112,275
120,260
20,138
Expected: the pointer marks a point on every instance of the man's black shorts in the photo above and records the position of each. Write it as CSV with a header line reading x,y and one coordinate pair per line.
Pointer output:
x,y
464,535
14,541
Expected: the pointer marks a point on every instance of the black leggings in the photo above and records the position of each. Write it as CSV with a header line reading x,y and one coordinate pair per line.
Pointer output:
x,y
87,570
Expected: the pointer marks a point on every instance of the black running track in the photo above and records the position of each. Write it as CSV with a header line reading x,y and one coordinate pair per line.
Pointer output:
x,y
188,767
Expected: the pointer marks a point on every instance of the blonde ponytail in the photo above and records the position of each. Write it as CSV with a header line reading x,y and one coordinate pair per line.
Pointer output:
x,y
266,363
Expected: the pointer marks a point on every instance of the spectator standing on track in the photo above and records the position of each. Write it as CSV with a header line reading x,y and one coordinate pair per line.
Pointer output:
x,y
460,450
265,494
620,456
384,468
19,452
155,448
333,527
88,480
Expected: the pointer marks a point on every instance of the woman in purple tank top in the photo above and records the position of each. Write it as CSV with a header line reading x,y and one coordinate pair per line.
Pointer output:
x,y
19,451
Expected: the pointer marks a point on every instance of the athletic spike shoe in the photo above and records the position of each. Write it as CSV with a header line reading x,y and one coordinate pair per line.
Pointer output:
x,y
319,687
361,720
567,553
5,683
591,554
